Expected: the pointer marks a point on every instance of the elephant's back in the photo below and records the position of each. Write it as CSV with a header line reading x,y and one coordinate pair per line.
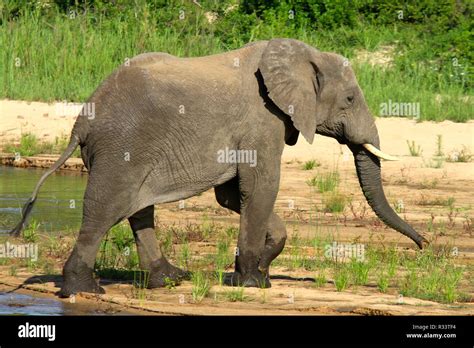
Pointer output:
x,y
156,100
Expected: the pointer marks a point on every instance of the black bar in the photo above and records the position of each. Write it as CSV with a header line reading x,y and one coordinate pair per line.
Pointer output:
x,y
224,331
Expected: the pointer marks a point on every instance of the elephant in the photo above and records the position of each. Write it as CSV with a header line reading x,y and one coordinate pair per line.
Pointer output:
x,y
160,122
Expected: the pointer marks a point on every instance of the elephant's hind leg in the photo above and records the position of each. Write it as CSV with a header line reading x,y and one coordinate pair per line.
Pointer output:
x,y
149,252
78,272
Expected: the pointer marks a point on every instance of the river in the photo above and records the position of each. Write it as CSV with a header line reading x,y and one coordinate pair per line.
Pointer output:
x,y
59,203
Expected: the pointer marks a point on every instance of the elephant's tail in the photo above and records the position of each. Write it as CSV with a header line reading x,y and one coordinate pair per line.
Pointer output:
x,y
25,212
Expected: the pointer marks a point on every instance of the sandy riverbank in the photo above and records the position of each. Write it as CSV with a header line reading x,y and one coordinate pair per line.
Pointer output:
x,y
415,181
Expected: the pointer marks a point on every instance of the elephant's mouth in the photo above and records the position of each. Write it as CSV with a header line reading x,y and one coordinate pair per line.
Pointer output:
x,y
340,134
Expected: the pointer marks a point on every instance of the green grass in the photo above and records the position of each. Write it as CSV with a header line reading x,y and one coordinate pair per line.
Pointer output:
x,y
309,165
433,283
235,294
72,56
415,150
383,282
207,228
429,274
118,252
223,258
13,271
325,182
48,56
170,284
445,202
414,85
342,278
435,162
140,284
359,272
429,184
334,202
184,256
201,286
30,234
320,279
232,232
438,159
432,274
166,241
30,145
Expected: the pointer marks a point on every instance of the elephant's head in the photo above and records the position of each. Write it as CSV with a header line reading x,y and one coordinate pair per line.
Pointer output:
x,y
320,93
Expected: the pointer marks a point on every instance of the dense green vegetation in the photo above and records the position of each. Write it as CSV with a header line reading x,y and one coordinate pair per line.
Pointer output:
x,y
63,49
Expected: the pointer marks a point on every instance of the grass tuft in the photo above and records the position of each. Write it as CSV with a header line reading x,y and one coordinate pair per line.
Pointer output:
x,y
415,150
334,202
201,286
325,182
342,277
236,295
309,165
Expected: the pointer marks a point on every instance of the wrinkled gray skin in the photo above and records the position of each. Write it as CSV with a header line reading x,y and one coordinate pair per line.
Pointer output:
x,y
172,115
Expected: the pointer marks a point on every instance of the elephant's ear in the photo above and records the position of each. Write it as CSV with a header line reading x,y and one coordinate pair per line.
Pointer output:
x,y
292,79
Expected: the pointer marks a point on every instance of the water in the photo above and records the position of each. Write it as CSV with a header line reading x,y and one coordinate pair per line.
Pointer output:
x,y
18,304
58,208
22,304
59,203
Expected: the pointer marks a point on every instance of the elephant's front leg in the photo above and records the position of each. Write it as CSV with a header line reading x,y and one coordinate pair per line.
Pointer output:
x,y
149,251
259,188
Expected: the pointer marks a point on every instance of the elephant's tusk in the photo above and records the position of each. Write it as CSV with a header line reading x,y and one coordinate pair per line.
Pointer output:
x,y
373,150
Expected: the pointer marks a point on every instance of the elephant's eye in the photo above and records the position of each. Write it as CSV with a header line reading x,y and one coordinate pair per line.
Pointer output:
x,y
350,99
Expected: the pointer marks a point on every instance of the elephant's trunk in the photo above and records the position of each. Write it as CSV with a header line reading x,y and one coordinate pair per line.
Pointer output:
x,y
368,172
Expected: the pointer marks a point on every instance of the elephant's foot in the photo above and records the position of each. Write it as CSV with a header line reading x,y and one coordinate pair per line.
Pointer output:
x,y
80,279
163,273
73,287
250,280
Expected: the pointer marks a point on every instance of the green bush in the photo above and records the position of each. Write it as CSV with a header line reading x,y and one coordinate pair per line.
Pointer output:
x,y
63,49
